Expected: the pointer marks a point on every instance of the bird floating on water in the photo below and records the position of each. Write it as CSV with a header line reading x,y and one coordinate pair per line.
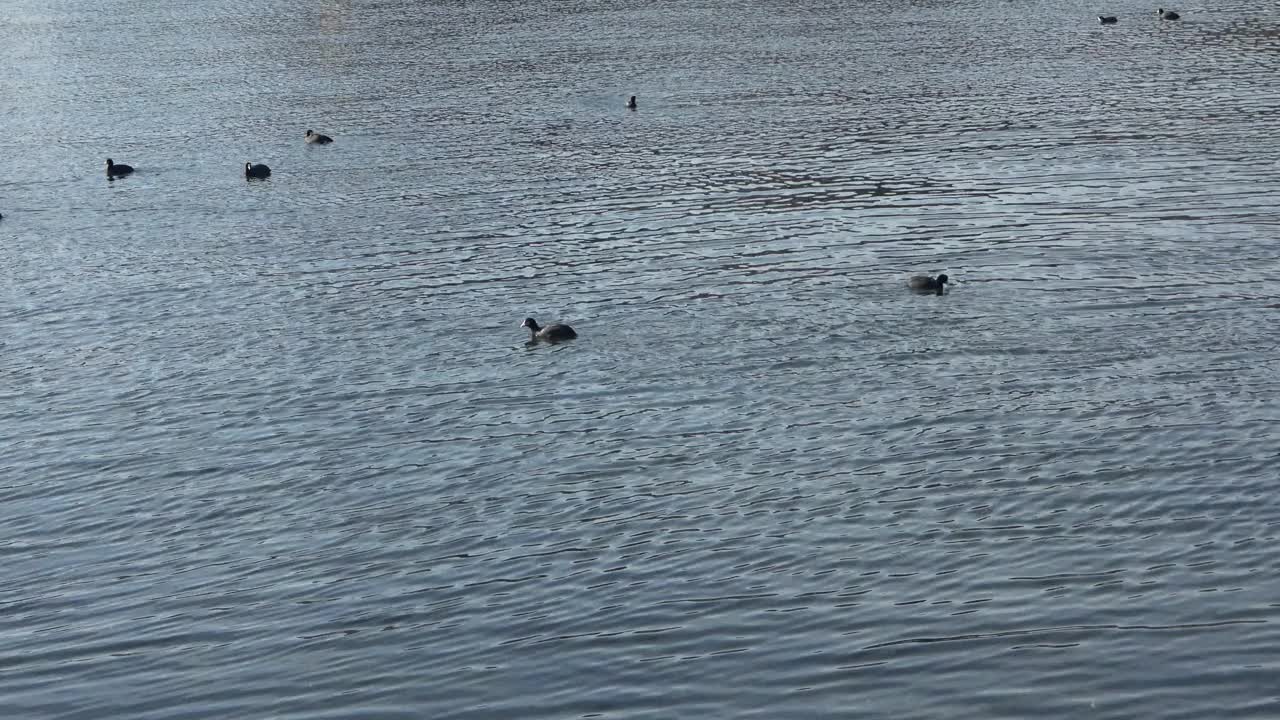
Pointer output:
x,y
924,283
117,169
631,104
257,171
1108,19
1168,14
316,138
550,333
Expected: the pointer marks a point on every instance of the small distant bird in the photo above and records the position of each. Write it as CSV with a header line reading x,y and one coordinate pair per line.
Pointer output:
x,y
1108,19
120,170
924,283
318,139
1168,14
550,333
258,171
631,104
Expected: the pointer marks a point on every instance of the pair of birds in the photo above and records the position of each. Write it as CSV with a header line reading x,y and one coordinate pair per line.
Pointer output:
x,y
1164,15
559,332
258,171
252,171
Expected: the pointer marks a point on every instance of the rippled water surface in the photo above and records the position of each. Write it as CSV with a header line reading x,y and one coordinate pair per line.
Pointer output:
x,y
279,450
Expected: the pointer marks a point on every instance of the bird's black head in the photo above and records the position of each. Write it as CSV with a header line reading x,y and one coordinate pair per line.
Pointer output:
x,y
530,323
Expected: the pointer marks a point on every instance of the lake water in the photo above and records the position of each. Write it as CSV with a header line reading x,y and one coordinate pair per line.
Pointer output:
x,y
278,449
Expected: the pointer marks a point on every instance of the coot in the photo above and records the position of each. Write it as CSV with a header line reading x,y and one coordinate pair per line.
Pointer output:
x,y
550,333
117,169
924,283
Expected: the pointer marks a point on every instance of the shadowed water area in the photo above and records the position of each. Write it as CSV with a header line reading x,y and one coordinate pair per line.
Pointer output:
x,y
278,449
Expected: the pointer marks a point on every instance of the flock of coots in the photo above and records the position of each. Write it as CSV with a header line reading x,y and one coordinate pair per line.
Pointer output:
x,y
252,171
557,332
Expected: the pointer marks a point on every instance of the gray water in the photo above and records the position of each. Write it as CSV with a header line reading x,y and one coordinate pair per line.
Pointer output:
x,y
278,450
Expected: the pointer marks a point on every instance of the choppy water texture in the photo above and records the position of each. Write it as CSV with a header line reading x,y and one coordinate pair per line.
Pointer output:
x,y
278,450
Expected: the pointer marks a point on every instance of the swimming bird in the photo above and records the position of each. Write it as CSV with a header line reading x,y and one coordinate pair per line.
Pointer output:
x,y
924,283
316,138
257,170
117,170
631,104
1108,19
1168,14
550,333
